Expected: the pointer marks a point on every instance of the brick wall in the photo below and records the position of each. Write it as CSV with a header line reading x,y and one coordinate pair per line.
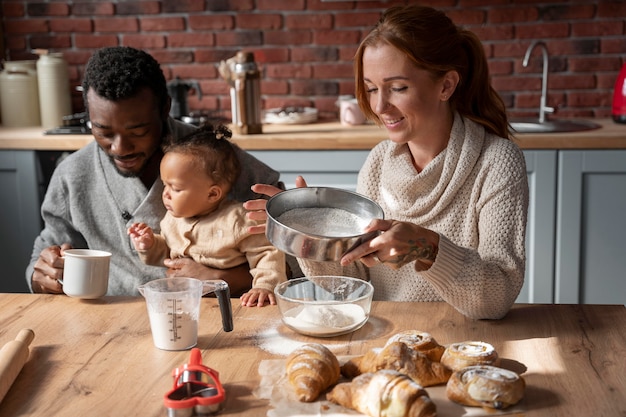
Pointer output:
x,y
305,47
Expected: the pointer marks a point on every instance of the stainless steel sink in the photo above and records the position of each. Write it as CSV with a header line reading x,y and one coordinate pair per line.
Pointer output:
x,y
542,124
551,126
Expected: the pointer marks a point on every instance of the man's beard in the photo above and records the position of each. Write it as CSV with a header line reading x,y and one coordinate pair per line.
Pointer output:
x,y
165,136
129,174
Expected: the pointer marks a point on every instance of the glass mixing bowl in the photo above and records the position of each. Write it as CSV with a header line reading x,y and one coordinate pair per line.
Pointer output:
x,y
324,306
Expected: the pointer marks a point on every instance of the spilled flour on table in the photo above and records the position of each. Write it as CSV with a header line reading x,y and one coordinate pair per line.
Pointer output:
x,y
271,340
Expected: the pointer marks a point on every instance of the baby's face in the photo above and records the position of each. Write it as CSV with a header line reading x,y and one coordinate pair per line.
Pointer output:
x,y
188,191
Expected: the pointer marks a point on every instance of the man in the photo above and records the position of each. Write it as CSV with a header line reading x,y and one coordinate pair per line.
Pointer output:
x,y
100,190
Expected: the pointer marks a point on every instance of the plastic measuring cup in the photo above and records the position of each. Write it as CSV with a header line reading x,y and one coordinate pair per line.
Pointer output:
x,y
174,309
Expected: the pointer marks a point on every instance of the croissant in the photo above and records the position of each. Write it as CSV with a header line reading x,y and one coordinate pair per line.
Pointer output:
x,y
485,386
384,393
311,369
398,356
460,355
421,341
352,367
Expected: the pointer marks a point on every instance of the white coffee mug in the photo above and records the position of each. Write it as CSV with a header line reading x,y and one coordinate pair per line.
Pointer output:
x,y
350,113
86,273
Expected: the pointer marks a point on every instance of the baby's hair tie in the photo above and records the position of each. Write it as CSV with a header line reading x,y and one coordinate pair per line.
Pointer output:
x,y
222,132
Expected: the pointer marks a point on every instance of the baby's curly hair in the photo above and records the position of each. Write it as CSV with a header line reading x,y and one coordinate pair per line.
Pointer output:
x,y
214,152
120,72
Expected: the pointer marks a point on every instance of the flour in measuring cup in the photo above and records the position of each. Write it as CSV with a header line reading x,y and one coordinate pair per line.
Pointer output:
x,y
173,335
324,221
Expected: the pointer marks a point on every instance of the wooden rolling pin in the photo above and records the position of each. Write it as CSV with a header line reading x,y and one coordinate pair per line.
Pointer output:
x,y
13,356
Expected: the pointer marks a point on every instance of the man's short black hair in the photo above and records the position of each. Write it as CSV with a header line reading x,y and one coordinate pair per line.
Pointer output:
x,y
120,72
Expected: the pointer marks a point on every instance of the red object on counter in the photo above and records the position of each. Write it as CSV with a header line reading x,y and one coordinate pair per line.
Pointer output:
x,y
619,97
197,389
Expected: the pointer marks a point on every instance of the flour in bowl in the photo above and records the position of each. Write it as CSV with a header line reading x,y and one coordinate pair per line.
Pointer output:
x,y
324,221
324,320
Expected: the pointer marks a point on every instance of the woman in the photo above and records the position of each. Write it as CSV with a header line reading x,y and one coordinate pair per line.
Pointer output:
x,y
452,185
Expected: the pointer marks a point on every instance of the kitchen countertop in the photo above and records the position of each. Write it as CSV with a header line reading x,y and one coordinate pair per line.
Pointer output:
x,y
97,356
329,136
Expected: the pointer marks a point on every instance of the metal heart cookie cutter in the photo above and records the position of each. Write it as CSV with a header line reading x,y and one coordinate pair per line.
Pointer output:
x,y
197,389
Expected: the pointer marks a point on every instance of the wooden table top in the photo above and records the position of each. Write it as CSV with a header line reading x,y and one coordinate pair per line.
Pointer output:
x,y
329,136
98,356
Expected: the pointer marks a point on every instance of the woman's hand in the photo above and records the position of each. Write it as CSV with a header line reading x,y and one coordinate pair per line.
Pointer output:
x,y
398,244
256,208
49,269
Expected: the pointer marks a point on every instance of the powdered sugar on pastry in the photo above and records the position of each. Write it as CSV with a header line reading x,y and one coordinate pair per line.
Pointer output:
x,y
460,355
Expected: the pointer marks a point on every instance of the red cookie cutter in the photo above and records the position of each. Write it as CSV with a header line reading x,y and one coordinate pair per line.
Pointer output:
x,y
197,389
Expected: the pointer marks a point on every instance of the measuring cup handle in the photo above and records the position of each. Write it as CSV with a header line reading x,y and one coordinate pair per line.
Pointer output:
x,y
223,298
222,292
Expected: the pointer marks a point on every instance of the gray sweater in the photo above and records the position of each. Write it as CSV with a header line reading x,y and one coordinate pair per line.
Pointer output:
x,y
85,200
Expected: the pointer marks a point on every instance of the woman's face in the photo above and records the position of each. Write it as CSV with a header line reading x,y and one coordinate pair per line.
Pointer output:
x,y
409,103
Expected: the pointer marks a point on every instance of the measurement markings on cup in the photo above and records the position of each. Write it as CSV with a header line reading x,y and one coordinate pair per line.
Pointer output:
x,y
175,316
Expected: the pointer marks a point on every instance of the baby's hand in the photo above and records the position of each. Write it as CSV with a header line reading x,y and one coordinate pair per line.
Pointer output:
x,y
258,297
141,235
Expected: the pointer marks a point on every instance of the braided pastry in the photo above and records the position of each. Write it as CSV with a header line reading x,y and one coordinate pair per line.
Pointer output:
x,y
420,341
399,357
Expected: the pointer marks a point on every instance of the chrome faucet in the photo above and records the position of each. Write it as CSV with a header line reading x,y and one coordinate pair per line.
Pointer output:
x,y
543,108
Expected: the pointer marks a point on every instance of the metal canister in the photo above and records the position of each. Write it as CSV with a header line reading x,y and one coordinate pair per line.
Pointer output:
x,y
245,93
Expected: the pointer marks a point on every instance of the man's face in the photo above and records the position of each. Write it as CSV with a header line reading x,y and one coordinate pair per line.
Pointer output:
x,y
129,131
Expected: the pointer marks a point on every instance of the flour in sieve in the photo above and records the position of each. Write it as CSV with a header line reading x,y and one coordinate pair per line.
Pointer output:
x,y
324,221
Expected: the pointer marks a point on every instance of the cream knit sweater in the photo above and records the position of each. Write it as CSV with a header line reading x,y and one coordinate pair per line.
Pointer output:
x,y
475,195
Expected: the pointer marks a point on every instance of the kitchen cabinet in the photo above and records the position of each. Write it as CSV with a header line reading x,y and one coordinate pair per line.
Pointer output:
x,y
330,168
538,283
591,227
20,221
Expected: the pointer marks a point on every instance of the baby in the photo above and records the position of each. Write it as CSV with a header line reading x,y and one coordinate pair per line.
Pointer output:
x,y
202,223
